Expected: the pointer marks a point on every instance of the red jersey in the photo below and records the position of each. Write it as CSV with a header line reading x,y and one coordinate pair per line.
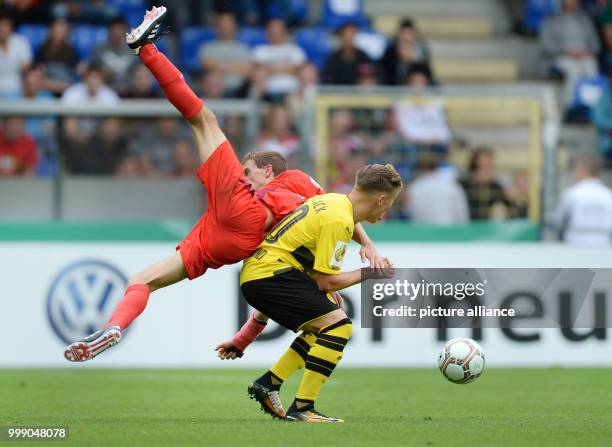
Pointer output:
x,y
288,191
17,156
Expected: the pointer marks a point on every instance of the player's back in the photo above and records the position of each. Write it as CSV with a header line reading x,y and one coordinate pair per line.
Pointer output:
x,y
287,191
298,182
322,224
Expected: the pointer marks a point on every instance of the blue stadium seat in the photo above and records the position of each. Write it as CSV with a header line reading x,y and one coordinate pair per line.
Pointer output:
x,y
535,11
36,34
252,36
131,10
587,93
84,38
190,41
317,44
338,12
291,11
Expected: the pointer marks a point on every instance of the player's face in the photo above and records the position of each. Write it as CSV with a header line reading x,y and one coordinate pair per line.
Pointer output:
x,y
257,177
381,204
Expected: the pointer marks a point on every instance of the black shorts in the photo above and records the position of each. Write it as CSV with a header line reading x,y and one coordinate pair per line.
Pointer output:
x,y
292,299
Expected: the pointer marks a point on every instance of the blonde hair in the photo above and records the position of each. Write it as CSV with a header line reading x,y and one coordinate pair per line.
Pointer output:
x,y
378,178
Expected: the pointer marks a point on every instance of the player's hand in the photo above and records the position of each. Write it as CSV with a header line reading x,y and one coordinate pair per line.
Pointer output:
x,y
387,271
369,254
227,351
339,300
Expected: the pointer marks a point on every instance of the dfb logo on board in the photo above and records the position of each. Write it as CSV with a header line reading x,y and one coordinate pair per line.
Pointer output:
x,y
82,297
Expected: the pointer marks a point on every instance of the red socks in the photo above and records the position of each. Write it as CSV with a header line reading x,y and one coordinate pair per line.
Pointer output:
x,y
171,81
133,303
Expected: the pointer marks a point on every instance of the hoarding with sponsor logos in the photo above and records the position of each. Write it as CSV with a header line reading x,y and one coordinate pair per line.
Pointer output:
x,y
54,293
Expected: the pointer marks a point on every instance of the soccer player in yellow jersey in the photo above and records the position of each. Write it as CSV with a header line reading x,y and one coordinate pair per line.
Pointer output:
x,y
291,275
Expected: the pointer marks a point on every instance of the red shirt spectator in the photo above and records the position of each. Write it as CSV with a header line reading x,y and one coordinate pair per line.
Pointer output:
x,y
18,152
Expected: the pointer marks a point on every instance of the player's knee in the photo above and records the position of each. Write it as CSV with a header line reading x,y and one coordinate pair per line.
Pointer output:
x,y
342,328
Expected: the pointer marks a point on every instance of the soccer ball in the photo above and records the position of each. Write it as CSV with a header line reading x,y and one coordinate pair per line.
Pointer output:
x,y
462,360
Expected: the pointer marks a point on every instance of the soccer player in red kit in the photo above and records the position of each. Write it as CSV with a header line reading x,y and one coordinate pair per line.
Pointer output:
x,y
243,202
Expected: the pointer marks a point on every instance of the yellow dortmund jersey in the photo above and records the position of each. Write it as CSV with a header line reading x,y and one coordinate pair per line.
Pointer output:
x,y
313,237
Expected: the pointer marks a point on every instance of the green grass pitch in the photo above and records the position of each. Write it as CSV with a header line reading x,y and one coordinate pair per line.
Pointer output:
x,y
382,407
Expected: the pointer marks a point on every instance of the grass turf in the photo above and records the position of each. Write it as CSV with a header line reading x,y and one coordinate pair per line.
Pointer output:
x,y
382,407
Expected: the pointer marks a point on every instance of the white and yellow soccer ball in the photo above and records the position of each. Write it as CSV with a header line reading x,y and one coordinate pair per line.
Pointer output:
x,y
462,360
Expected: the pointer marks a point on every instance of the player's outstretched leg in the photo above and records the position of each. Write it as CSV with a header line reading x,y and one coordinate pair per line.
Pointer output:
x,y
161,274
170,79
322,358
266,389
203,122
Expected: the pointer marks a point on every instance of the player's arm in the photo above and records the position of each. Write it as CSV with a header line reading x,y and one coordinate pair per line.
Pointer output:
x,y
333,282
332,242
235,347
368,251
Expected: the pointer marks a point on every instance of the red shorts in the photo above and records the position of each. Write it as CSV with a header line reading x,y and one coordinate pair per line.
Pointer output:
x,y
233,225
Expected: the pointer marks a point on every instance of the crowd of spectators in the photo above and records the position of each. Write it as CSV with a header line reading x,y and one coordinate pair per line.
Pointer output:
x,y
576,43
276,70
277,66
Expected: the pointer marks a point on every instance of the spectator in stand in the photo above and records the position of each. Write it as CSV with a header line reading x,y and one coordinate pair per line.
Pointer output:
x,y
342,66
276,134
377,151
94,11
184,159
227,56
483,191
59,57
345,180
129,167
570,42
34,84
114,56
27,11
435,197
309,78
344,139
366,76
584,214
91,90
518,194
419,76
212,85
401,56
99,154
247,12
43,129
15,56
142,85
602,119
422,123
153,145
18,151
605,57
278,62
233,127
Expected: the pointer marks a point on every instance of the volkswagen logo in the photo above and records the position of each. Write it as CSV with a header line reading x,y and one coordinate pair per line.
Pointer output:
x,y
82,298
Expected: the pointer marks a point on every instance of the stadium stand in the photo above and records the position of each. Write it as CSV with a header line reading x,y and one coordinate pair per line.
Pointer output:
x,y
453,42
